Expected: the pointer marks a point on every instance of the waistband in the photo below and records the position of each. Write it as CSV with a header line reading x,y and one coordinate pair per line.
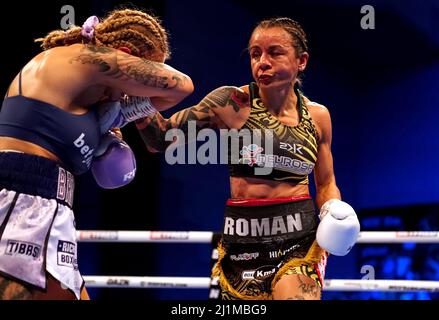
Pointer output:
x,y
259,202
278,222
37,176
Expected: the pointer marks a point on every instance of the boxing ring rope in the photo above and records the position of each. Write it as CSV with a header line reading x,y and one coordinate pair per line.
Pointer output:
x,y
145,236
206,237
204,283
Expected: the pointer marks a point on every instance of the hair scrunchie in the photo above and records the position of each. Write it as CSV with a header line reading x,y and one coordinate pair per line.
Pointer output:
x,y
88,28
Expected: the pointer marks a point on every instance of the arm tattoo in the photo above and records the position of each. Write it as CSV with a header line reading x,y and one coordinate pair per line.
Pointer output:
x,y
223,96
179,81
153,130
142,71
121,66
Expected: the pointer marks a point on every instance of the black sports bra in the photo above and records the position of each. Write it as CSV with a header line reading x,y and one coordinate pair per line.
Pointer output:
x,y
290,157
72,138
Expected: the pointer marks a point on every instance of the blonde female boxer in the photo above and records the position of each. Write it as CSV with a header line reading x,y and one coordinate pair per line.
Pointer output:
x,y
53,126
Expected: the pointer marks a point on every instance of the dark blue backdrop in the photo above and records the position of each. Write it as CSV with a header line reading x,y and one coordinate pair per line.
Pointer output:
x,y
381,87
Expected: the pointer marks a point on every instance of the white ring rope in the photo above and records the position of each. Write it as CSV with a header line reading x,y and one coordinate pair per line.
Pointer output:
x,y
146,282
381,285
145,236
206,236
204,283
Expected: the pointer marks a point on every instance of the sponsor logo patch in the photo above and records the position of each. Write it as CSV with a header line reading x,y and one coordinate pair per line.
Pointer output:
x,y
66,253
22,248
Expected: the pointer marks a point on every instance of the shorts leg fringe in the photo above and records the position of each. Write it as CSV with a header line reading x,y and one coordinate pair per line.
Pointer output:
x,y
313,256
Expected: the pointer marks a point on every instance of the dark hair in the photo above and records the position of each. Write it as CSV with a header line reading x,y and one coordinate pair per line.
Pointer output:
x,y
300,43
142,33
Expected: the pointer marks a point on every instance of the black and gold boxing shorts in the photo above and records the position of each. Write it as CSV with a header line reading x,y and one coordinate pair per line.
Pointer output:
x,y
263,240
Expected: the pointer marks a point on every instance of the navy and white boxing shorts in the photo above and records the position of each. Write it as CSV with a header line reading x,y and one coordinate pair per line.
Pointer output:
x,y
37,225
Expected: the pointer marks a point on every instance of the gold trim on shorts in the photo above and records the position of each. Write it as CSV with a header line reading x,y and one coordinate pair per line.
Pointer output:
x,y
301,266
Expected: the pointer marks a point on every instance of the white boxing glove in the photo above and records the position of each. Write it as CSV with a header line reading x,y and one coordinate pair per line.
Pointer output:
x,y
134,108
339,227
116,114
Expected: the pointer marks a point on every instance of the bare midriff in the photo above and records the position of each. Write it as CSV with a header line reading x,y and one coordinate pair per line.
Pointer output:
x,y
249,188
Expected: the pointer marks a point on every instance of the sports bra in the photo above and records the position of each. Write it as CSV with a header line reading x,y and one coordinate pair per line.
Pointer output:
x,y
72,138
293,153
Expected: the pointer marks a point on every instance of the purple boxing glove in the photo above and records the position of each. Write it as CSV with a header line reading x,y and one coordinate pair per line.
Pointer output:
x,y
114,164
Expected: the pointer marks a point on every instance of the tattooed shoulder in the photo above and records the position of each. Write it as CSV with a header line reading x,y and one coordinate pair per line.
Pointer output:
x,y
94,55
224,96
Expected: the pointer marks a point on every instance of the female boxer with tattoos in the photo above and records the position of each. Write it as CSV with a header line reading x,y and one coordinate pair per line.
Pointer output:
x,y
51,129
273,245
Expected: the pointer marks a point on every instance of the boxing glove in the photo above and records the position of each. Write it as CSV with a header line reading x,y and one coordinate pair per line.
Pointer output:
x,y
116,114
339,227
114,164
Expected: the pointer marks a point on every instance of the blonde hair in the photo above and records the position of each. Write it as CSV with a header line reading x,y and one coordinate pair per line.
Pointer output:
x,y
142,33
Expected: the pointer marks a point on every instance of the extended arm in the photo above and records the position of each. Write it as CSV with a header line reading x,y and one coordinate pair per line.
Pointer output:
x,y
215,110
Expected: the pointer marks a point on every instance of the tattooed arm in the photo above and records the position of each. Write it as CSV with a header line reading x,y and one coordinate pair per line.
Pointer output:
x,y
135,76
220,108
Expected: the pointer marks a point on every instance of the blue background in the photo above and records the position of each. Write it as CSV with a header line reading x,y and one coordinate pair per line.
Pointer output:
x,y
381,87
